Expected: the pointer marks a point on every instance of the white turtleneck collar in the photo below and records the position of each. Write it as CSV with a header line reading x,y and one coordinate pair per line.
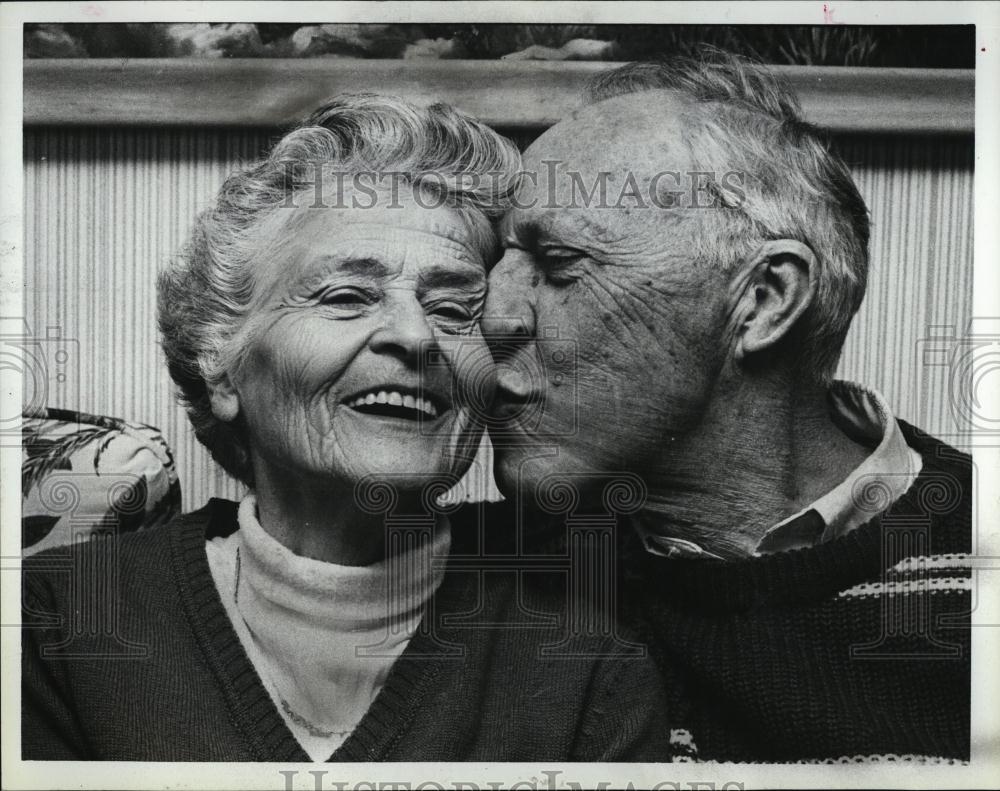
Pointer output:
x,y
322,636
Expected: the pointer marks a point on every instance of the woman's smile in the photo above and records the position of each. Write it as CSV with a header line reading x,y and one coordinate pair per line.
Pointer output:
x,y
399,402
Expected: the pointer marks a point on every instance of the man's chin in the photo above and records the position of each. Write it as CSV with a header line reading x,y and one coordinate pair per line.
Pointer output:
x,y
555,481
522,473
505,471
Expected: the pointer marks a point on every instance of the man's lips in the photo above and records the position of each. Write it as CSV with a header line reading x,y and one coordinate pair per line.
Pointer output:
x,y
512,388
510,403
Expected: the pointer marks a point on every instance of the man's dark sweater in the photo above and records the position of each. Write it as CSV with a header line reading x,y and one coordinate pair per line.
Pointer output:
x,y
851,650
140,662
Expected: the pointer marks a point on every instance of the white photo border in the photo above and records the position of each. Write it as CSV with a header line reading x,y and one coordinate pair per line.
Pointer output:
x,y
985,765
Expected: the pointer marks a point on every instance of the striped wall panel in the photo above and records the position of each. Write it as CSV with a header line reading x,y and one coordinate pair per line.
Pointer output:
x,y
919,193
106,209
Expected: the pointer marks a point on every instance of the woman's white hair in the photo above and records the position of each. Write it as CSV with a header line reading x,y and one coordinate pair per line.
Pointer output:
x,y
742,119
204,300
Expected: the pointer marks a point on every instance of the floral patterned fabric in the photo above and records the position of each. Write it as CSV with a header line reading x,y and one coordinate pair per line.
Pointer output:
x,y
83,474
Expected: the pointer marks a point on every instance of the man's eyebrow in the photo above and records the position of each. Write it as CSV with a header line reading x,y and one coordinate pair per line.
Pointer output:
x,y
524,232
565,227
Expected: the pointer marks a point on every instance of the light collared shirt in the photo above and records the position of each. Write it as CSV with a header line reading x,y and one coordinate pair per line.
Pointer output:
x,y
881,479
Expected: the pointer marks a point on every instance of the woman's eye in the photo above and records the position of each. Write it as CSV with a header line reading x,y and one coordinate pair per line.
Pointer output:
x,y
346,298
452,316
451,312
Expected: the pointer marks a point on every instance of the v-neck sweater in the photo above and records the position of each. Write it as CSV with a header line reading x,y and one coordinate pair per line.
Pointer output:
x,y
129,654
322,636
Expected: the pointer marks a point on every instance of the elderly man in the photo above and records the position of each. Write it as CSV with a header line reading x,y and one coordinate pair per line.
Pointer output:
x,y
682,267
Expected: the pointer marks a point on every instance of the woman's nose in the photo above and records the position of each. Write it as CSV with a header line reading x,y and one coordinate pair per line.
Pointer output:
x,y
405,332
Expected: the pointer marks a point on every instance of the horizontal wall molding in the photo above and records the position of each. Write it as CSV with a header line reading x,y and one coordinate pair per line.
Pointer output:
x,y
274,92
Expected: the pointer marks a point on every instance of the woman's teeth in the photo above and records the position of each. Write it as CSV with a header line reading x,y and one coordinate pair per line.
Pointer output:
x,y
393,398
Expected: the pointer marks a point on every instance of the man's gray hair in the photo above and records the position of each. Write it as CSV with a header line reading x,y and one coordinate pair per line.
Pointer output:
x,y
742,119
205,298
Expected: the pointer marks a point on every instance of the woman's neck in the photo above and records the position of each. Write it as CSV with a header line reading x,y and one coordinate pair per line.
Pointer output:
x,y
322,520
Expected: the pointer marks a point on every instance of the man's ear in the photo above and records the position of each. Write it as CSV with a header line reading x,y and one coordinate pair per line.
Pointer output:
x,y
781,285
224,399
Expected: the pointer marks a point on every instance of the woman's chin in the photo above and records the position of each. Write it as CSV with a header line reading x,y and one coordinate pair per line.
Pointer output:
x,y
408,468
444,447
393,486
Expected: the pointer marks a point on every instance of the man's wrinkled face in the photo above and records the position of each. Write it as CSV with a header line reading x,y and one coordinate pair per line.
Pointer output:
x,y
608,336
364,343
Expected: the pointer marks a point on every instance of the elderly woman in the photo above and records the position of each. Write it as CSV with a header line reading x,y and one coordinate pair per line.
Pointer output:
x,y
323,331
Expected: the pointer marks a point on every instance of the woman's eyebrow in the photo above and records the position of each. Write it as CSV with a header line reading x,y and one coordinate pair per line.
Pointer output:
x,y
365,265
468,279
323,266
317,273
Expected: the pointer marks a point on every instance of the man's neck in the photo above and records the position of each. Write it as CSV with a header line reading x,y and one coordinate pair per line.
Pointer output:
x,y
765,451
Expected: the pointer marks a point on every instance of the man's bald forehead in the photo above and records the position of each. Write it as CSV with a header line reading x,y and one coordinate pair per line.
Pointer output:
x,y
621,132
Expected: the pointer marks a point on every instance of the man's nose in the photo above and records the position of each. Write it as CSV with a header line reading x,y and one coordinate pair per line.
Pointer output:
x,y
405,331
509,314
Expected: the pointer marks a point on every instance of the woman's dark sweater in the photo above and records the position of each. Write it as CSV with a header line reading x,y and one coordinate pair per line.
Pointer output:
x,y
128,654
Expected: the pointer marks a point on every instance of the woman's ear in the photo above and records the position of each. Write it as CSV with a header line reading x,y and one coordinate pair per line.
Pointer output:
x,y
224,399
781,285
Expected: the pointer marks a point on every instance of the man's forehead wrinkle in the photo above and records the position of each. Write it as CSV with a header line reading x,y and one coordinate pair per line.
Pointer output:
x,y
604,232
578,226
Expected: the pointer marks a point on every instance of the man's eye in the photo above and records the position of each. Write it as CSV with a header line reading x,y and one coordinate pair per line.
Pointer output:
x,y
561,254
560,264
